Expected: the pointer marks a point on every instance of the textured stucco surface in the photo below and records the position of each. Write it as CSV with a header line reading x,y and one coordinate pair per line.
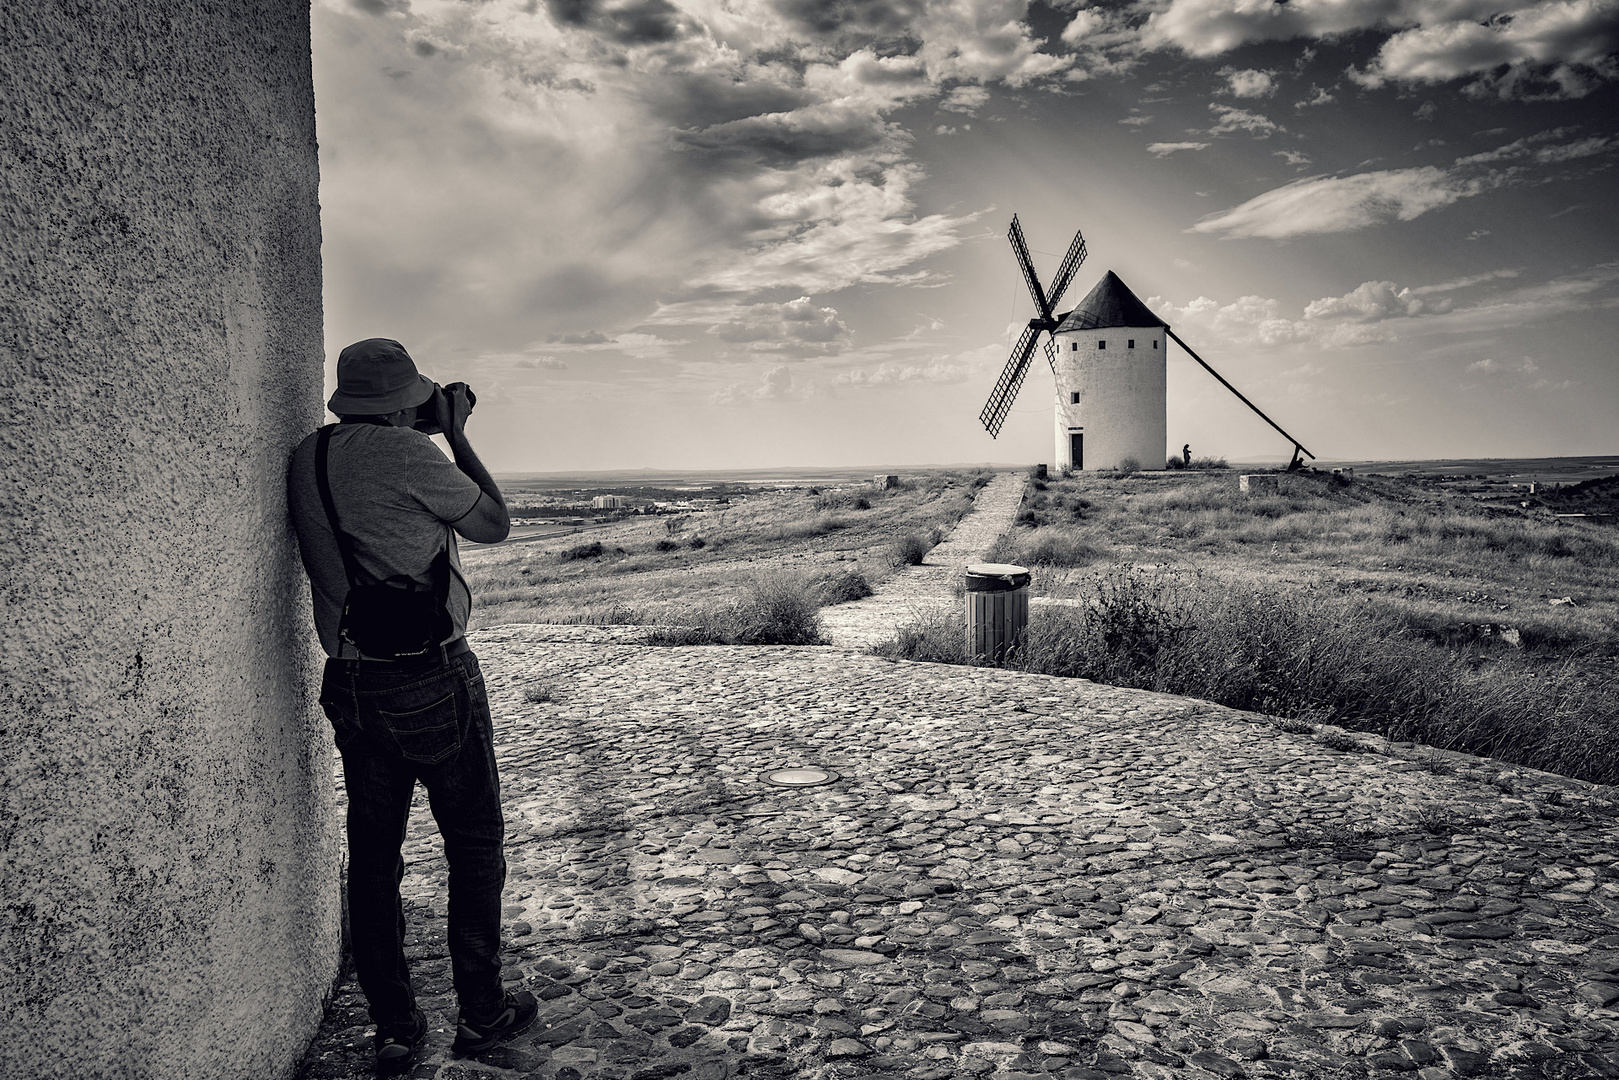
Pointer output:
x,y
1121,396
168,899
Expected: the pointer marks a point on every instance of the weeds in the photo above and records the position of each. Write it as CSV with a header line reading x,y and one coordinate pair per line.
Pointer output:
x,y
775,609
592,550
843,587
1310,655
911,548
539,693
1333,739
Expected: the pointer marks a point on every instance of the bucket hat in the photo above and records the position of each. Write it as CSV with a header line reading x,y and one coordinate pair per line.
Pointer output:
x,y
376,377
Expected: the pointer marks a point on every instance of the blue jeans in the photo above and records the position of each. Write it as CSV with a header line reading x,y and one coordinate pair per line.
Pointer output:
x,y
397,722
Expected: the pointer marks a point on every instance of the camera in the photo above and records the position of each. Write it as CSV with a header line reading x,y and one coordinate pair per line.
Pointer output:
x,y
427,411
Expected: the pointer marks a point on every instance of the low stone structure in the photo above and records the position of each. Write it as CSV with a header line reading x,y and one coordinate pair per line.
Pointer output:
x,y
1259,483
170,853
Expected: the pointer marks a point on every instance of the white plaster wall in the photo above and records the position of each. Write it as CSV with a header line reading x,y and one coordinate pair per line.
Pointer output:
x,y
168,884
1121,396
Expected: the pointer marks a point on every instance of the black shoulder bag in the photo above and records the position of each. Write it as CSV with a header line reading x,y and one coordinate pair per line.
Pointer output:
x,y
394,619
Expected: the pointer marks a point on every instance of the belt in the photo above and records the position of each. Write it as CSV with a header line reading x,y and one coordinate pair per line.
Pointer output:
x,y
444,653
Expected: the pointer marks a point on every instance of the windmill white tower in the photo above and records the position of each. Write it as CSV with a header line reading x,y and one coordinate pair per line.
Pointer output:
x,y
1108,357
1110,381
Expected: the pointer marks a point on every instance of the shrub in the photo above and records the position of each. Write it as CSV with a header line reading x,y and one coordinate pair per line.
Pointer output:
x,y
910,548
1129,465
1175,461
1206,463
666,545
1309,655
592,550
1047,547
775,609
939,636
696,543
843,587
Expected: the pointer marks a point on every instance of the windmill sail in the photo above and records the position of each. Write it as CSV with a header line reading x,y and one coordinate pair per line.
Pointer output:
x,y
1019,248
1011,380
1070,265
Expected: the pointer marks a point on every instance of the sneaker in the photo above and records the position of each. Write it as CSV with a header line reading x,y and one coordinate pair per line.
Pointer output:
x,y
514,1018
397,1043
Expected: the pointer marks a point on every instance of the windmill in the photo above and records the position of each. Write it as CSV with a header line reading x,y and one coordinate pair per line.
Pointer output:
x,y
1107,357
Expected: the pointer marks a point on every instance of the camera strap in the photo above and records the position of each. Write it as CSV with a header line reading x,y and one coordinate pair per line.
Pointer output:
x,y
322,444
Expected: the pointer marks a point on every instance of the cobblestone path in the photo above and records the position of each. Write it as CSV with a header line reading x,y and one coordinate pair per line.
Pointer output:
x,y
916,589
1016,876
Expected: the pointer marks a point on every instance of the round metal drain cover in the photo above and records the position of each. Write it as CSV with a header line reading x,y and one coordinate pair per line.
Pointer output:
x,y
799,776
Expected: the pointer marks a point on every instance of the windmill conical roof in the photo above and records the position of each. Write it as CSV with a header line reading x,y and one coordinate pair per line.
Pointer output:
x,y
1111,303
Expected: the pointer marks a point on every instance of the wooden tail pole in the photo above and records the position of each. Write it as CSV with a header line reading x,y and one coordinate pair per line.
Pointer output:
x,y
1298,447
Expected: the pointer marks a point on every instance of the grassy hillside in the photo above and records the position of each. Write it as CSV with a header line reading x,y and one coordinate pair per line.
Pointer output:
x,y
825,543
1376,604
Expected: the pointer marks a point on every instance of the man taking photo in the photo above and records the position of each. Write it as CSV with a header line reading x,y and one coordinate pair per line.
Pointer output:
x,y
377,508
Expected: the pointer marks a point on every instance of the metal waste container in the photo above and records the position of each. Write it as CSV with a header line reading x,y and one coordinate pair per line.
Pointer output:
x,y
997,610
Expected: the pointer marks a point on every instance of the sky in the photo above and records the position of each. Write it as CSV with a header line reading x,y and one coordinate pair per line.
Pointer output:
x,y
712,234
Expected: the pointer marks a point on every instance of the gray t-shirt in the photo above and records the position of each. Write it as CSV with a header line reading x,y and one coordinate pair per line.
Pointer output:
x,y
396,495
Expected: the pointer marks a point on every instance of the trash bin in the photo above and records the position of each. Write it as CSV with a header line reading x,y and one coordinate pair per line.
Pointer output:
x,y
997,609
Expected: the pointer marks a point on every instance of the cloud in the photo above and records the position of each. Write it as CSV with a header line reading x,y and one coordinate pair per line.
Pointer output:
x,y
588,162
1292,157
1249,83
1318,204
894,374
592,337
1337,204
1138,120
1515,48
1374,301
775,384
550,363
965,99
1426,111
1231,119
795,326
1380,312
1554,49
1320,97
1164,149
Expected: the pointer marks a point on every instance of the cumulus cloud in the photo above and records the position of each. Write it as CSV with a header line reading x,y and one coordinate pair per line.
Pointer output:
x,y
1292,157
1249,83
1551,49
548,363
1374,301
965,99
1229,119
1512,48
1376,312
775,384
583,162
796,326
1164,149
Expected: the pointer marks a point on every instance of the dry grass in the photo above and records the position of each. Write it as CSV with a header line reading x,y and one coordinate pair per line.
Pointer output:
x,y
1376,607
664,569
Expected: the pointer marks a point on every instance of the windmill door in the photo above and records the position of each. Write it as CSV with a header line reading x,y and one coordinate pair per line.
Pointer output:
x,y
1076,448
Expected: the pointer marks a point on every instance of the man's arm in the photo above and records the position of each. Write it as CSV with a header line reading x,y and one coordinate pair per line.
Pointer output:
x,y
487,522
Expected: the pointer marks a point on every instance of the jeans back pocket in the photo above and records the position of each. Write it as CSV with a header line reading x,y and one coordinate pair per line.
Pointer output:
x,y
425,731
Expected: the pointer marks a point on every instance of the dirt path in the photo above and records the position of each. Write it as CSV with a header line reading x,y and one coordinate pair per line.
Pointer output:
x,y
916,589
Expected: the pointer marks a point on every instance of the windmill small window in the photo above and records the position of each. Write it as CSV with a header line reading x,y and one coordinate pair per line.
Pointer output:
x,y
1130,344
1101,344
1074,397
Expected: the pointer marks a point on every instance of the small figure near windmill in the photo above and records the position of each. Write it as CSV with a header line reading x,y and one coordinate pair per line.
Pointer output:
x,y
1107,357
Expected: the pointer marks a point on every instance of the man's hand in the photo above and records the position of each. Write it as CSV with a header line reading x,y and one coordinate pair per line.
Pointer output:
x,y
452,409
